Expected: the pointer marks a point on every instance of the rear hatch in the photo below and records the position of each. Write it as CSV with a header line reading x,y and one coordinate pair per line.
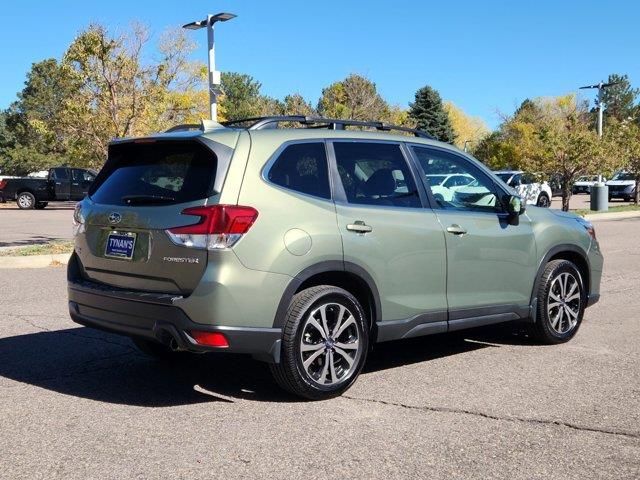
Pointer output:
x,y
139,194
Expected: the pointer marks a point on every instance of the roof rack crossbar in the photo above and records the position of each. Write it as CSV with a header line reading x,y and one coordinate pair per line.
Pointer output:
x,y
261,123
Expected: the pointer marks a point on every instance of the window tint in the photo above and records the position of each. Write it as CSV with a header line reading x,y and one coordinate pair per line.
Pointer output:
x,y
528,179
375,174
80,175
155,173
302,167
61,174
478,194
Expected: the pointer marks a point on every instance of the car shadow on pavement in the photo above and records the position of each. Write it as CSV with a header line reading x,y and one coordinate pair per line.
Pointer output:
x,y
86,363
31,240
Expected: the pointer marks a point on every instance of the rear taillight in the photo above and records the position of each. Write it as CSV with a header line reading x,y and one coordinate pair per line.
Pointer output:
x,y
3,183
78,220
220,226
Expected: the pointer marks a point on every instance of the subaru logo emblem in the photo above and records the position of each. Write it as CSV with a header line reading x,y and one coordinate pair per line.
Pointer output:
x,y
115,217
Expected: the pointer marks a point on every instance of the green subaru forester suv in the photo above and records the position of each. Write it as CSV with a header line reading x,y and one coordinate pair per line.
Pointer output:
x,y
305,241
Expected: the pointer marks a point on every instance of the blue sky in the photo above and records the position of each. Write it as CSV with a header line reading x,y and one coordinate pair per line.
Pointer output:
x,y
486,56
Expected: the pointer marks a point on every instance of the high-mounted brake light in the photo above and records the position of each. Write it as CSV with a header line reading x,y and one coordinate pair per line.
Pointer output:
x,y
220,226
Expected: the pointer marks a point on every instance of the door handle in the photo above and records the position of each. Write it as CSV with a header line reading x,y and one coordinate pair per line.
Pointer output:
x,y
75,184
359,227
456,229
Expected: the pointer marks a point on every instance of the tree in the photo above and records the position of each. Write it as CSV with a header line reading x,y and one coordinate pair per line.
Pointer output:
x,y
296,105
429,114
465,128
354,98
122,93
32,135
566,143
241,96
620,100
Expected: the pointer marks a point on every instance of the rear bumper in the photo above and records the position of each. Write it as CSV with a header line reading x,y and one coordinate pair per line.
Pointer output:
x,y
155,317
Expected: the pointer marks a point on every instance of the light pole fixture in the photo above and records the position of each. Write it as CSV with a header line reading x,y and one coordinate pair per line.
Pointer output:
x,y
600,86
214,75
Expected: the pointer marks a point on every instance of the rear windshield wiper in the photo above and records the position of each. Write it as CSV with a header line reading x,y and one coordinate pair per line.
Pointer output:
x,y
141,199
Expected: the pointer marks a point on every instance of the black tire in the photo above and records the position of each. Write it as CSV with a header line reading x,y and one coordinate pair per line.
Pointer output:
x,y
291,373
543,200
155,349
26,201
41,205
545,329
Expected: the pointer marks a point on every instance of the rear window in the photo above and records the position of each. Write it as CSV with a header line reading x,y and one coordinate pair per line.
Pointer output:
x,y
157,173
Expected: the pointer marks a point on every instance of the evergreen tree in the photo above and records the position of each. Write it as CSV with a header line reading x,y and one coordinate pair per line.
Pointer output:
x,y
430,115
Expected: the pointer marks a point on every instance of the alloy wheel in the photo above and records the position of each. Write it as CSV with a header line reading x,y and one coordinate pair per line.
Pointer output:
x,y
24,201
564,302
330,346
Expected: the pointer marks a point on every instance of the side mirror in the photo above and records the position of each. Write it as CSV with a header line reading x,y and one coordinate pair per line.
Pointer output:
x,y
515,206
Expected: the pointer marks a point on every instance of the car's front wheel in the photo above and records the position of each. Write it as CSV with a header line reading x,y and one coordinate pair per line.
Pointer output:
x,y
561,303
543,200
324,343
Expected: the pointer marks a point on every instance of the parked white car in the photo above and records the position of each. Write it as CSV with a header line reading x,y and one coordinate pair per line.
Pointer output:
x,y
584,183
622,185
526,185
444,186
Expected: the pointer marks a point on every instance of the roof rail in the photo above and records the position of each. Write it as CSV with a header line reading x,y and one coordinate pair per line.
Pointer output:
x,y
262,123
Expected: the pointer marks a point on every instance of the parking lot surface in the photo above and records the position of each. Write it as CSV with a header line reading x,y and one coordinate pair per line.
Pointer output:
x,y
27,227
77,403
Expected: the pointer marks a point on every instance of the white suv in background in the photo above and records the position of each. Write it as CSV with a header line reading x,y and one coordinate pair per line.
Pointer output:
x,y
527,187
444,186
584,183
622,185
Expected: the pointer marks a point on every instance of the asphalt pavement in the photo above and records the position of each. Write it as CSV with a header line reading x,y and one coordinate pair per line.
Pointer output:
x,y
28,227
76,403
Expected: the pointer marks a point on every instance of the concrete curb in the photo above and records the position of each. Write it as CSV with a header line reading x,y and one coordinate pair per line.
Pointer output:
x,y
612,215
34,261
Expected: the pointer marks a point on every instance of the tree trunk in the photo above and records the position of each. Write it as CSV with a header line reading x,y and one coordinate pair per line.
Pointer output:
x,y
637,195
566,195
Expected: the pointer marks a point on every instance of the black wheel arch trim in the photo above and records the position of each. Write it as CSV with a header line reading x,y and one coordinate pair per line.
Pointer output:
x,y
326,267
552,252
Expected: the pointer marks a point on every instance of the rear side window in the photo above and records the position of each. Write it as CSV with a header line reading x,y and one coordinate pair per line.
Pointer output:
x,y
61,174
302,167
375,174
155,173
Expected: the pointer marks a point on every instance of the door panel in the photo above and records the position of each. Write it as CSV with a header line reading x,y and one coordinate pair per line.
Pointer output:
x,y
493,263
80,182
61,183
490,263
404,253
386,230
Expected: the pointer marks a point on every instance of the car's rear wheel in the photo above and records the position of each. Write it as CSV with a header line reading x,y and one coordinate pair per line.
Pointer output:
x,y
26,201
561,303
543,200
324,344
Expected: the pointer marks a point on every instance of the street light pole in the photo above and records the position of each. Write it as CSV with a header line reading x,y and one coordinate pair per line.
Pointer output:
x,y
600,86
214,75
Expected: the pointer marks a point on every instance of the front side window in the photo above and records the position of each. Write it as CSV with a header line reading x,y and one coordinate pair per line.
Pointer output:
x,y
478,194
376,174
302,167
